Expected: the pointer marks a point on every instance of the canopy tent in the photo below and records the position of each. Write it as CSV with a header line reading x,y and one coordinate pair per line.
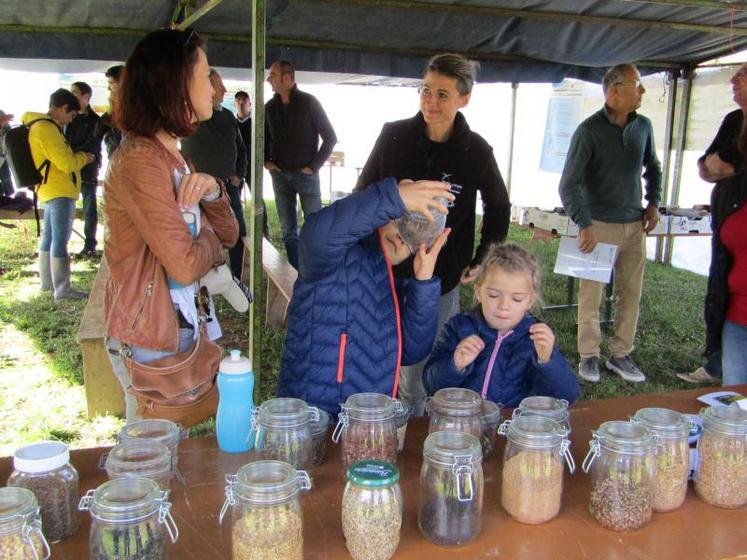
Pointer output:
x,y
515,40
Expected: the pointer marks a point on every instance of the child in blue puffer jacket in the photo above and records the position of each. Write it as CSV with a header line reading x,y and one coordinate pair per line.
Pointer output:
x,y
499,349
351,323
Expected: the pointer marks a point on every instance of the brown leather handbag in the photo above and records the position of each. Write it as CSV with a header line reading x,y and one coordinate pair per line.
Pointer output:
x,y
180,388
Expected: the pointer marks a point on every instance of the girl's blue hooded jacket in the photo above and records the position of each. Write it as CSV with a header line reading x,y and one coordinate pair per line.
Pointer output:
x,y
342,335
516,371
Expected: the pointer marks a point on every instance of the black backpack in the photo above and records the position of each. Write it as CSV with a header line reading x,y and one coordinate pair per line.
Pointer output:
x,y
21,162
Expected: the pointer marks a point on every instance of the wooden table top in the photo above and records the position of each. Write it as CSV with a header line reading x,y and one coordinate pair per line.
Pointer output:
x,y
694,531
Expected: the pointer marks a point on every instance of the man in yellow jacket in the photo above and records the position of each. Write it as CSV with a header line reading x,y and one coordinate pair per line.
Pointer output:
x,y
59,191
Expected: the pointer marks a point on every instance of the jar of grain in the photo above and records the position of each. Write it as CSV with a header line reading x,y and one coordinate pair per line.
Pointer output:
x,y
45,469
21,536
490,418
454,409
622,459
451,488
549,407
533,468
264,518
401,418
672,455
128,518
721,474
283,431
366,426
372,510
144,458
319,429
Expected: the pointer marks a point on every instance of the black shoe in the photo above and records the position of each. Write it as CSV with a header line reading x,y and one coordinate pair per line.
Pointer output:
x,y
92,254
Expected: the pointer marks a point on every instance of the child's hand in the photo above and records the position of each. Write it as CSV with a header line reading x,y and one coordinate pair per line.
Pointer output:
x,y
544,341
425,260
419,196
467,350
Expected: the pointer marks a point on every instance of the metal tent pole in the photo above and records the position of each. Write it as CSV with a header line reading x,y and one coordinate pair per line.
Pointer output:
x,y
668,140
256,314
679,155
511,133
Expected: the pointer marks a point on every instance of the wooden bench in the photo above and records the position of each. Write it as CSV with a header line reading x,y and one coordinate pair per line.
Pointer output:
x,y
281,277
104,393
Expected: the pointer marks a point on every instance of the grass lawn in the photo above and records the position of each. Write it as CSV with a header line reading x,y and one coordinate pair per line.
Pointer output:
x,y
41,392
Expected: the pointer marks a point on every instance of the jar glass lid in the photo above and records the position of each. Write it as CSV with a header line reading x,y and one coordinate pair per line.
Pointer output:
x,y
17,506
623,437
456,401
449,447
665,422
269,482
373,474
164,431
285,412
126,499
536,431
727,419
550,407
370,406
141,456
491,412
320,426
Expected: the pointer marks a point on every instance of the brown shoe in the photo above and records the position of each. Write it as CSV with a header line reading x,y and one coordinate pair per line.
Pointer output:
x,y
700,375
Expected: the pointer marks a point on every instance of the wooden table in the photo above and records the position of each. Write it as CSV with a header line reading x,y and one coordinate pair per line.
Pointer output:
x,y
695,531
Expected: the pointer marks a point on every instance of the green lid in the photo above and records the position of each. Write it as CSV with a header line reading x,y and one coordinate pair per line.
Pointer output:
x,y
373,473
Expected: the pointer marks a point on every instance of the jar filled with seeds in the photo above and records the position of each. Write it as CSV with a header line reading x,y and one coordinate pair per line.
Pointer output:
x,y
262,515
283,431
549,407
372,510
366,426
672,455
162,431
622,459
128,518
145,458
21,536
721,474
319,429
454,409
451,488
490,418
532,486
401,418
45,469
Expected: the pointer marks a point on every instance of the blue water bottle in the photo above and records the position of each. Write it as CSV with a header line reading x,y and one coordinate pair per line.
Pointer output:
x,y
233,423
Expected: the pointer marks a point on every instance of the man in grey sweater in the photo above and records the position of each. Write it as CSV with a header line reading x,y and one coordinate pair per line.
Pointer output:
x,y
218,150
601,191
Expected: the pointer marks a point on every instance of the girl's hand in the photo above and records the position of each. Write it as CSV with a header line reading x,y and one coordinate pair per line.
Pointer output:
x,y
425,261
193,187
544,341
419,196
467,350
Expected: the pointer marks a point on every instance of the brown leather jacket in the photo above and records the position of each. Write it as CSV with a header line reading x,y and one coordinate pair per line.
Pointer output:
x,y
147,239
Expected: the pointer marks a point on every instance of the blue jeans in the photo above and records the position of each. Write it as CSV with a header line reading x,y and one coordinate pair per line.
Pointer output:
x,y
734,353
90,215
59,214
287,185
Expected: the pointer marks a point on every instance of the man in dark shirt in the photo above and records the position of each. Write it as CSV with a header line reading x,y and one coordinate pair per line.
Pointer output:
x,y
243,104
111,134
218,150
295,121
83,135
721,161
601,192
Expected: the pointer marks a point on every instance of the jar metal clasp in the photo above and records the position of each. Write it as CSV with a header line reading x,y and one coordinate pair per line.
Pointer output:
x,y
342,423
165,518
565,451
462,469
314,414
503,428
230,498
35,527
592,454
304,481
254,432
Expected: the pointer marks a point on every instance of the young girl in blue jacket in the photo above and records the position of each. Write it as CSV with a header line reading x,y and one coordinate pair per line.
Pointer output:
x,y
499,349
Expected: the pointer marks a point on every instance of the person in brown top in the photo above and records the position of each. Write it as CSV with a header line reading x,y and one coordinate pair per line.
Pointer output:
x,y
167,227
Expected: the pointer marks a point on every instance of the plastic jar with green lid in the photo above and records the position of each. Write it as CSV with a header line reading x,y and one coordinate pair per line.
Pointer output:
x,y
372,510
21,537
721,475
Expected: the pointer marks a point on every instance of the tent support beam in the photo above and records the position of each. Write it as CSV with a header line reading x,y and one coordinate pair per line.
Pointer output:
x,y
257,309
667,163
492,11
718,4
679,155
205,8
511,137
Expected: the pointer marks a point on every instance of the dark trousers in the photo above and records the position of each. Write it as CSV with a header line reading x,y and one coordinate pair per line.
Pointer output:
x,y
236,253
6,184
90,215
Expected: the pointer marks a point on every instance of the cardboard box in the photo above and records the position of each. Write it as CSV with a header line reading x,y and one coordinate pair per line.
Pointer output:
x,y
685,224
550,221
662,227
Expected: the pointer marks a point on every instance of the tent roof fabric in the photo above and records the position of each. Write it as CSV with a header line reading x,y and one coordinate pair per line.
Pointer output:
x,y
515,40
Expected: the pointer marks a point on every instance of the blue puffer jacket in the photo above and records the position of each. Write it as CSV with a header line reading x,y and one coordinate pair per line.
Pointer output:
x,y
516,372
342,327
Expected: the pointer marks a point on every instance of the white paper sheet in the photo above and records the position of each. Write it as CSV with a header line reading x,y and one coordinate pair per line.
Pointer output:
x,y
596,265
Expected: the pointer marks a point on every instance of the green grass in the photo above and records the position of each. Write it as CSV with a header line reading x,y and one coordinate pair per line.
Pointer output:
x,y
41,394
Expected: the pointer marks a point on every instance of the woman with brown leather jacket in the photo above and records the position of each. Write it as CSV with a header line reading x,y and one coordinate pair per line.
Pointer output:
x,y
167,227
